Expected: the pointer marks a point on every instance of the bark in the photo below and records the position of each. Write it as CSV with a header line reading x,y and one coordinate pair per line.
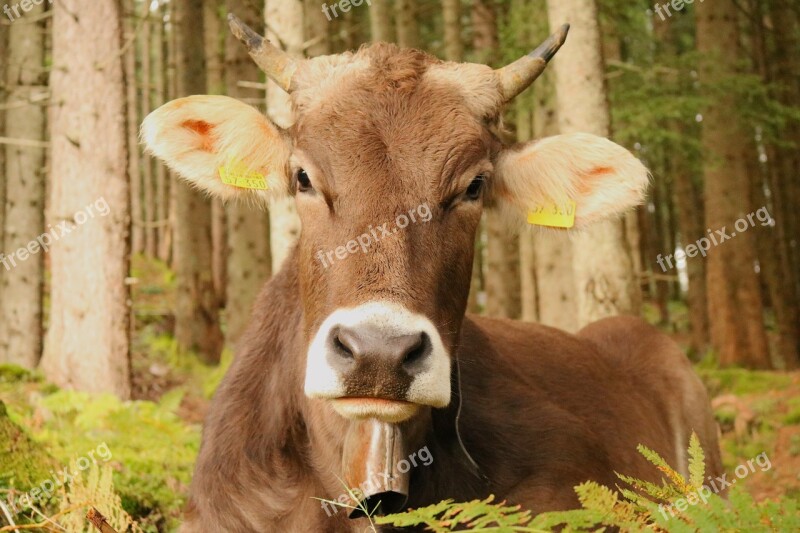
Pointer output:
x,y
380,21
148,200
132,109
453,47
286,18
318,30
663,245
160,84
3,98
688,199
783,67
215,54
407,25
734,296
87,343
196,306
502,252
21,312
248,225
774,252
602,266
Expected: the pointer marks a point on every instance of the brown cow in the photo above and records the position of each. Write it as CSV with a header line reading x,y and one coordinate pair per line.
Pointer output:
x,y
391,159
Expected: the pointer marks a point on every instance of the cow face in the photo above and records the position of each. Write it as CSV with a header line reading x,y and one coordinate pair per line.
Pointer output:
x,y
391,159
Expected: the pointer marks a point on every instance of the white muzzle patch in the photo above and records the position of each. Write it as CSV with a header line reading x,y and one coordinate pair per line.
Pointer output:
x,y
430,386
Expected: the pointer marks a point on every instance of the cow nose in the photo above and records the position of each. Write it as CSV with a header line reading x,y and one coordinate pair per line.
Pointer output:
x,y
364,344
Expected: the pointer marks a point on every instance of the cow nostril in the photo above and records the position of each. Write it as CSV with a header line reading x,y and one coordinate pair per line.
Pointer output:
x,y
418,351
343,349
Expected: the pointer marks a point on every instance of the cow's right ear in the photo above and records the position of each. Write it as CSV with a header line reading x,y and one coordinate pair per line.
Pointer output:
x,y
221,146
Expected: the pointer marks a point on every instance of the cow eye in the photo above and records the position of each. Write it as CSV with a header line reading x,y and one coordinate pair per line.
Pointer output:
x,y
303,181
475,188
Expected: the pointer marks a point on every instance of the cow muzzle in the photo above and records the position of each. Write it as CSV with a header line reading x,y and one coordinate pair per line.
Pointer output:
x,y
378,360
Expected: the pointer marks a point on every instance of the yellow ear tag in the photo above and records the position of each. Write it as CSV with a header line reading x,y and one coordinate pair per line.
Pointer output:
x,y
553,216
239,175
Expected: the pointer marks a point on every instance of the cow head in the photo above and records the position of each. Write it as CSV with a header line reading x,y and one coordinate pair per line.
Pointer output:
x,y
392,157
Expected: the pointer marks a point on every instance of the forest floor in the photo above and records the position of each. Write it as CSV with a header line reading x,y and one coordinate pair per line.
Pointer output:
x,y
154,438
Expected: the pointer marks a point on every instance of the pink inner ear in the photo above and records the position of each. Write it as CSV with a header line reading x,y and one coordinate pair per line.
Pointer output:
x,y
203,129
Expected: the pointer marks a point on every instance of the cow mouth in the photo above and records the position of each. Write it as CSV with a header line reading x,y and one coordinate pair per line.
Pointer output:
x,y
382,409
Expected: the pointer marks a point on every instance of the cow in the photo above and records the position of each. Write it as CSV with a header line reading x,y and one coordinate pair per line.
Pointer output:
x,y
351,354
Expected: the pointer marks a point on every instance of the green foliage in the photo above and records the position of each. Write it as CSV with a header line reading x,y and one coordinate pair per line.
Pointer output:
x,y
477,515
677,505
152,449
24,462
94,488
741,382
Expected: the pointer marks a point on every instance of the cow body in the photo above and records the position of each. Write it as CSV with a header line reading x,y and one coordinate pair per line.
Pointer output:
x,y
542,411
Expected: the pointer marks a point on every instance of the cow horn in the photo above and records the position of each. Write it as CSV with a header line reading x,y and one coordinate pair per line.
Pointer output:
x,y
276,63
518,76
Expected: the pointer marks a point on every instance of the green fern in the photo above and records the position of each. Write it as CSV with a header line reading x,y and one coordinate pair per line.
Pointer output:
x,y
645,507
93,488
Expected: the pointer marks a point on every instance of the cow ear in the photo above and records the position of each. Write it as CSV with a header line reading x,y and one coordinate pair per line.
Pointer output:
x,y
221,146
569,180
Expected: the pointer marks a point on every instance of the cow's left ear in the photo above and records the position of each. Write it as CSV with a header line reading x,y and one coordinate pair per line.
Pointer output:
x,y
547,181
221,146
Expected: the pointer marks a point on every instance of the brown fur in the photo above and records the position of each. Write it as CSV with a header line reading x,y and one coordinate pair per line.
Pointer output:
x,y
543,410
379,133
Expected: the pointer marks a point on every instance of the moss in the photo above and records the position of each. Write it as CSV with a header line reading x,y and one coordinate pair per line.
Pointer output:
x,y
17,374
27,463
742,382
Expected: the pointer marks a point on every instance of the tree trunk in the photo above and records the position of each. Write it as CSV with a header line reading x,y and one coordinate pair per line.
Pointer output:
x,y
407,25
87,344
688,199
318,30
3,98
148,211
285,16
453,47
603,269
380,21
734,296
248,225
196,306
784,67
160,82
21,312
132,109
215,82
662,244
502,254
